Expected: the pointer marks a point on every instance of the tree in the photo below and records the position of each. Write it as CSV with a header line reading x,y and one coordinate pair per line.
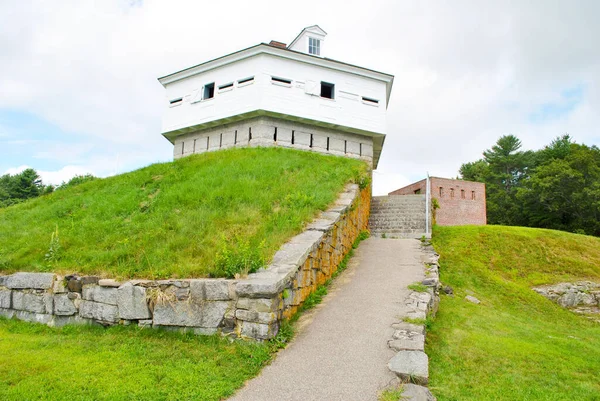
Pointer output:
x,y
19,187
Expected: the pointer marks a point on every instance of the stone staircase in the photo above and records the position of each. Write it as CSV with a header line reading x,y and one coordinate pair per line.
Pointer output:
x,y
398,216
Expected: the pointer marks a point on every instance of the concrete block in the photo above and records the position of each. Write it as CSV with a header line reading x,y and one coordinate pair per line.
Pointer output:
x,y
99,311
131,301
108,282
410,366
63,305
5,298
33,317
301,139
105,295
210,290
38,281
414,392
32,302
259,331
353,148
258,304
60,321
254,316
191,314
336,145
260,288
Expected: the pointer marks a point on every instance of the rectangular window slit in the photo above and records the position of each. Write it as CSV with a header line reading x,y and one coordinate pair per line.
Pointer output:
x,y
370,100
451,193
441,192
225,86
249,134
345,146
275,135
235,138
182,147
360,150
207,142
472,195
327,90
244,80
175,101
327,143
293,137
194,148
462,194
311,140
209,91
221,140
282,80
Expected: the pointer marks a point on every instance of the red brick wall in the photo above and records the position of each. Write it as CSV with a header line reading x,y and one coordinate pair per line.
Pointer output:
x,y
454,210
410,189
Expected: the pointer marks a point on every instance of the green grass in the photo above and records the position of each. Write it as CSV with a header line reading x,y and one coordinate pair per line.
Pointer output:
x,y
190,218
515,345
121,363
417,287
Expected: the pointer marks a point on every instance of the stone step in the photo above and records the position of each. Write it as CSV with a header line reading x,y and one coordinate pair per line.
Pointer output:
x,y
417,235
392,216
398,203
398,231
398,227
397,209
397,222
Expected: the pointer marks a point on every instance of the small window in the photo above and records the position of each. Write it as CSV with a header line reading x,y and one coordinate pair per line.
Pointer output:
x,y
462,194
175,102
209,91
327,90
370,100
281,80
314,46
472,195
247,80
441,192
226,86
451,193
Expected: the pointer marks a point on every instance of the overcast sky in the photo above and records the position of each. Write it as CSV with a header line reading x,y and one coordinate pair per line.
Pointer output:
x,y
78,88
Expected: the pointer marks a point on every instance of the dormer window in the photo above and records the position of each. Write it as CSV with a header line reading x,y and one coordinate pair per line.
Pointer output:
x,y
314,46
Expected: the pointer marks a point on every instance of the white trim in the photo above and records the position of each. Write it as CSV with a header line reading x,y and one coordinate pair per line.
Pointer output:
x,y
285,54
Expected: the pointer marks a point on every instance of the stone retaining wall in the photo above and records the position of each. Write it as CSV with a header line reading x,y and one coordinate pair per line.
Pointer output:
x,y
252,307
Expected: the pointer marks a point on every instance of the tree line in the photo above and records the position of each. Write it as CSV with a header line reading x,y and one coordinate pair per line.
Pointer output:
x,y
28,184
556,187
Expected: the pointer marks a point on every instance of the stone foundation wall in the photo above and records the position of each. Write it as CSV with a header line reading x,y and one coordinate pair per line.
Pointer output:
x,y
266,131
252,307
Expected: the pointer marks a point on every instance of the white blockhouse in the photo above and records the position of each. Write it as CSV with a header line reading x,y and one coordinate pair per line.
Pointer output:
x,y
273,95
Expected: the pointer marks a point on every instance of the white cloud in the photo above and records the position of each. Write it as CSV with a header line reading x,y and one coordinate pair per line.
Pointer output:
x,y
466,72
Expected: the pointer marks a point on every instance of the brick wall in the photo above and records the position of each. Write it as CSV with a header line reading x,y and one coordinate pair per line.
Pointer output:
x,y
461,202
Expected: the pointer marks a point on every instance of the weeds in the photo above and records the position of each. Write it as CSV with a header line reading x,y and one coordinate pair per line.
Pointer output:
x,y
418,287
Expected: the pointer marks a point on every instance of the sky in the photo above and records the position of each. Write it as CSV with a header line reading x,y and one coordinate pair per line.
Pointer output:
x,y
79,91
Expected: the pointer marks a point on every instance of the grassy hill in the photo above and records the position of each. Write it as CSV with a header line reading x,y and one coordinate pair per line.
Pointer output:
x,y
203,215
515,345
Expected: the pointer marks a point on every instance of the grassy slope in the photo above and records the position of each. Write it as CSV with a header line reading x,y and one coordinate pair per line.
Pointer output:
x,y
121,363
170,219
515,345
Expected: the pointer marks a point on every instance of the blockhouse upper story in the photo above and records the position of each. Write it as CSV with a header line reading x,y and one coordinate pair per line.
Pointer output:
x,y
295,83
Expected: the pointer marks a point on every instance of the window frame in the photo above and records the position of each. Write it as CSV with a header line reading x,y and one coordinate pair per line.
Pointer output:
x,y
329,85
314,43
204,88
